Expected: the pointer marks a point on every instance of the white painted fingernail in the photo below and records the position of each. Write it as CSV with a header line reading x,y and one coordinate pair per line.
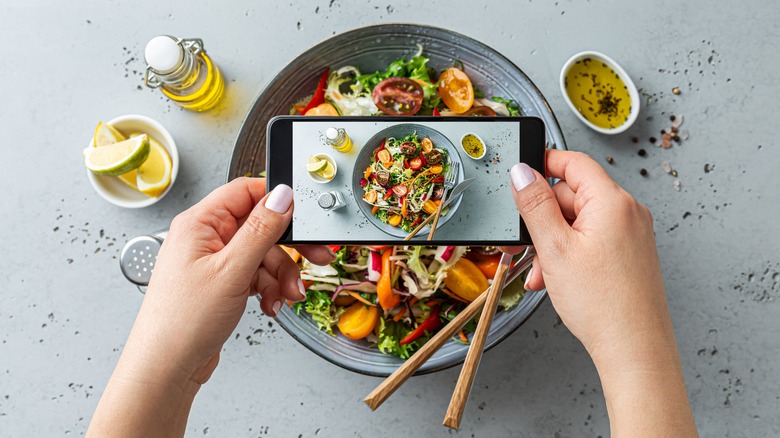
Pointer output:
x,y
277,306
302,290
527,279
280,198
521,175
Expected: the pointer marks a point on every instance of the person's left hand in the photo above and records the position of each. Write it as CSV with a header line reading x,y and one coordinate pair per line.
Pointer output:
x,y
215,256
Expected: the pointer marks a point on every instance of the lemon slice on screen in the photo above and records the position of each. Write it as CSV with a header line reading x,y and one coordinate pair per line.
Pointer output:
x,y
106,134
328,172
118,158
154,175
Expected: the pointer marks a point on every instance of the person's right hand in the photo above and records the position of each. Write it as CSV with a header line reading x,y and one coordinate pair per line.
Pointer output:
x,y
595,248
596,256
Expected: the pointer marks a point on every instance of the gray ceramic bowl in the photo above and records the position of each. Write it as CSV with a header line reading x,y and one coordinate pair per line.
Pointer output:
x,y
399,131
373,48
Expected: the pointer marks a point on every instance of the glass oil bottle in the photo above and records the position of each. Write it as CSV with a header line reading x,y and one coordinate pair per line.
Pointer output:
x,y
183,72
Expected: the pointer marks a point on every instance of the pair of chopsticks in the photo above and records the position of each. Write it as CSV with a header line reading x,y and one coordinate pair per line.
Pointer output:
x,y
433,216
487,302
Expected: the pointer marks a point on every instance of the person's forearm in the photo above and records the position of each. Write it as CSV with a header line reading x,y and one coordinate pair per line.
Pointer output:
x,y
148,393
643,383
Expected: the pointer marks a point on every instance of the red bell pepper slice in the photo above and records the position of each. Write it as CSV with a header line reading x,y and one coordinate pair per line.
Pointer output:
x,y
422,158
429,325
380,148
436,112
319,93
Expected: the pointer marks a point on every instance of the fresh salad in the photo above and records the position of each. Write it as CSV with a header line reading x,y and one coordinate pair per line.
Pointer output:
x,y
405,181
396,298
405,88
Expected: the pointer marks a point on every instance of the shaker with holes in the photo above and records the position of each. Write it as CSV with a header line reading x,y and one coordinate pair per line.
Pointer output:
x,y
139,256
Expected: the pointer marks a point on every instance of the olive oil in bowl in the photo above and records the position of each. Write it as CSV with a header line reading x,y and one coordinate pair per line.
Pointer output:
x,y
600,92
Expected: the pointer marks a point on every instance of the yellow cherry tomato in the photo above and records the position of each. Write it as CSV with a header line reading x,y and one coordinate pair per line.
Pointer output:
x,y
456,90
323,109
430,207
394,220
358,321
466,280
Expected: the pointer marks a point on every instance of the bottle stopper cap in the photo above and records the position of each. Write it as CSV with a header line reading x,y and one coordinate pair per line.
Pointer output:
x,y
163,54
331,133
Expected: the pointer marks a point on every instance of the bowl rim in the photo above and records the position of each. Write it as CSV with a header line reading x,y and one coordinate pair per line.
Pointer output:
x,y
632,91
167,141
319,179
484,148
247,123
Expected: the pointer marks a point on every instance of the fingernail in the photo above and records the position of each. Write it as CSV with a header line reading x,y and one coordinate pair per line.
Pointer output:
x,y
280,198
527,279
521,175
302,290
277,306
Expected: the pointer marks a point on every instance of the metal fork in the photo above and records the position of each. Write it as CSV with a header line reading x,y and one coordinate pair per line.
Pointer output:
x,y
449,183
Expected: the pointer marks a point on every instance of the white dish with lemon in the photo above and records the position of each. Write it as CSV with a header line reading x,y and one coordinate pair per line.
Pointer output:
x,y
322,168
136,164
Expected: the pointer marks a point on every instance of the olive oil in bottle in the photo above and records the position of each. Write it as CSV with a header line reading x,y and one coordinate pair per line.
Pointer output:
x,y
338,139
183,72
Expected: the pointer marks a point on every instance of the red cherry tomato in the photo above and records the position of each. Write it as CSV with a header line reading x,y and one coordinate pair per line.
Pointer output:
x,y
400,190
398,96
415,164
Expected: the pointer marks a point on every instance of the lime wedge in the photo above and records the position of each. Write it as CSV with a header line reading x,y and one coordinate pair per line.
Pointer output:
x,y
106,134
328,172
316,166
154,175
118,158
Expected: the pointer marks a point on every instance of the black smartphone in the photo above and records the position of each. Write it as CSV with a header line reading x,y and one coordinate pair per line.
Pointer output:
x,y
375,180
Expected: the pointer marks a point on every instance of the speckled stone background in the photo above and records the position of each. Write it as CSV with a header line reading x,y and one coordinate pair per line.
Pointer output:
x,y
65,309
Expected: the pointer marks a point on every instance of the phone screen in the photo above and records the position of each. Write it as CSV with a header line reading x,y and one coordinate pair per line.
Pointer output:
x,y
379,179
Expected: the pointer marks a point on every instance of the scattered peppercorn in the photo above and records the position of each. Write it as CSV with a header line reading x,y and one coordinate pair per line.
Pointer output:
x,y
643,172
610,160
635,139
672,117
653,140
642,152
676,90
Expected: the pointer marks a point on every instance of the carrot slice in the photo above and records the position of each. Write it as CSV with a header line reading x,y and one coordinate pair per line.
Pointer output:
x,y
463,336
359,298
374,209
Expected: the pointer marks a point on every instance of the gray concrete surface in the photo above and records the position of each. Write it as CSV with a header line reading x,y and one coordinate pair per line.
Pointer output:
x,y
65,310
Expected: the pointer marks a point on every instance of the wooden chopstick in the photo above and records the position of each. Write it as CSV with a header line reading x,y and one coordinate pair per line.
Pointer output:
x,y
435,221
461,394
399,376
419,227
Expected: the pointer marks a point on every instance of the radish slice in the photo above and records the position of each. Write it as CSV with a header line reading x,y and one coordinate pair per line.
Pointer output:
x,y
444,253
374,266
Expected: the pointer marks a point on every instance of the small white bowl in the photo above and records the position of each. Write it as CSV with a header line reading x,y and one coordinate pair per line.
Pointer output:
x,y
484,146
632,91
113,190
318,179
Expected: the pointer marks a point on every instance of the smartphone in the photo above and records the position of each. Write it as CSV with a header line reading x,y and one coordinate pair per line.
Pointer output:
x,y
374,180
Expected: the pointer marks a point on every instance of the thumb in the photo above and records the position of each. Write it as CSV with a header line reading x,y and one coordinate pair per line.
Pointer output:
x,y
261,230
539,208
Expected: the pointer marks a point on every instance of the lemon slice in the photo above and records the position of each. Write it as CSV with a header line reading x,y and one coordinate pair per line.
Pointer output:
x,y
118,158
328,172
128,178
106,134
316,166
154,175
